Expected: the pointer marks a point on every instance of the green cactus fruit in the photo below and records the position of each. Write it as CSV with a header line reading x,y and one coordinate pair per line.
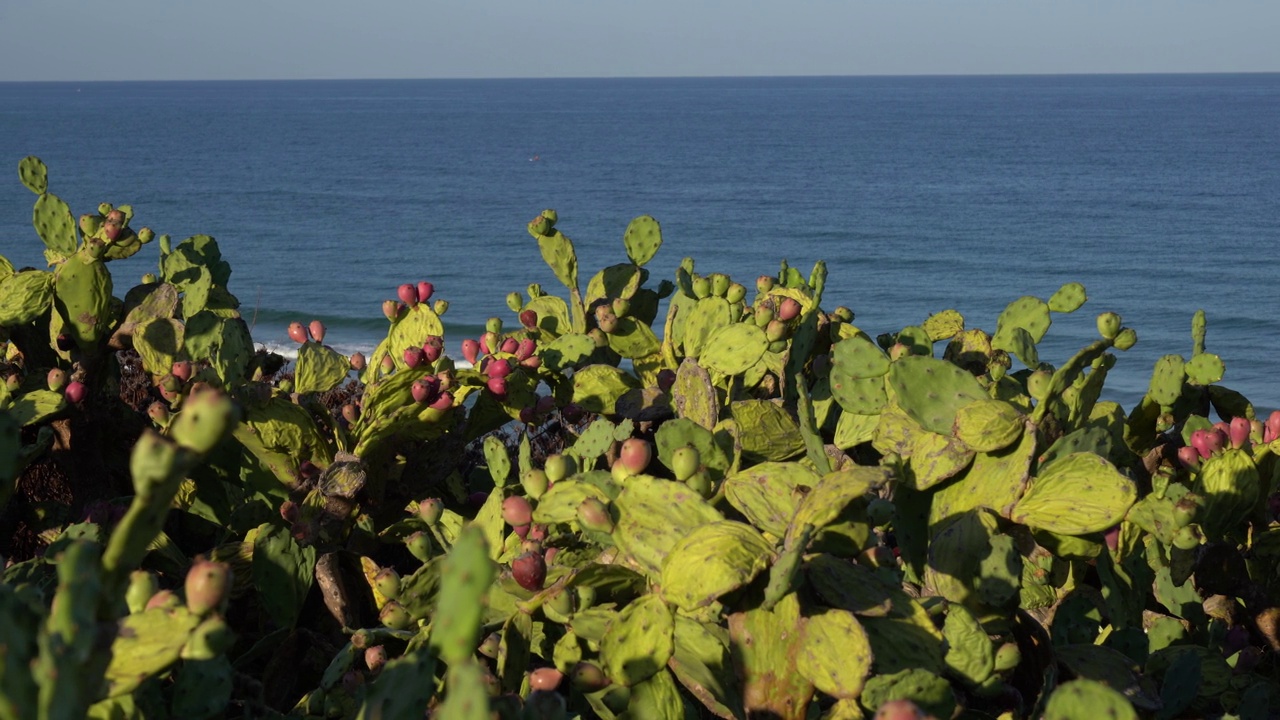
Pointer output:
x,y
515,301
419,545
736,293
440,306
776,330
1188,537
149,279
1038,384
430,510
635,455
387,582
394,615
205,419
1108,325
1184,511
146,235
491,645
685,461
764,284
587,677
56,379
558,467
701,287
701,483
719,284
143,586
207,586
1008,657
1127,338
535,483
594,515
762,316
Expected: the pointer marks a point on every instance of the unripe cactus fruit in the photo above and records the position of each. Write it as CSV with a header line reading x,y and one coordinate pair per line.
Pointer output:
x,y
685,461
701,287
776,330
430,510
789,309
391,309
1187,538
1238,433
491,645
419,545
557,467
56,379
700,482
529,571
842,314
594,515
515,301
517,511
587,677
207,585
440,306
470,350
317,330
736,293
143,586
297,332
166,599
1127,338
1108,325
388,364
146,235
408,295
719,284
387,581
1007,657
75,392
762,316
395,616
1184,511
621,307
547,678
764,283
150,279
1038,384
606,319
635,455
899,710
534,483
357,362
181,369
159,412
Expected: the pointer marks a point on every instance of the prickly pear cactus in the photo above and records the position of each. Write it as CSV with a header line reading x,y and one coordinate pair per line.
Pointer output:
x,y
711,561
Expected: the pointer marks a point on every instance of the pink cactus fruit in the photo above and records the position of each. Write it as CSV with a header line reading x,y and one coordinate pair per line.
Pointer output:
x,y
408,294
298,332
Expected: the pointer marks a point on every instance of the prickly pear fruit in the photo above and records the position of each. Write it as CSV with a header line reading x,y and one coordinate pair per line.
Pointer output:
x,y
842,314
1007,657
408,295
317,330
635,455
529,319
587,677
534,483
899,710
517,511
498,369
289,511
547,678
1239,432
1108,325
297,332
181,369
1184,511
166,599
395,616
788,310
430,510
149,279
735,293
422,391
425,291
530,571
762,316
470,350
685,461
75,392
700,482
159,412
391,309
557,467
142,586
207,585
357,362
442,402
1127,338
146,235
56,379
387,581
413,357
593,515
491,645
606,319
701,287
1271,428
1189,456
764,283
776,330
1187,538
419,545
497,386
1038,384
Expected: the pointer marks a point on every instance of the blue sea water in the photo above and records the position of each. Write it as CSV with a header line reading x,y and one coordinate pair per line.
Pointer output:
x,y
1161,193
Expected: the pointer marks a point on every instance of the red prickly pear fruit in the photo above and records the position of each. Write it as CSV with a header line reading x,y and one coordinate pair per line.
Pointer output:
x,y
442,402
1223,426
351,681
1217,439
358,362
529,319
593,515
1189,456
1238,432
546,404
530,571
408,295
431,352
421,390
394,615
1112,538
159,412
899,710
430,510
525,349
498,369
538,533
317,330
532,362
75,392
550,554
573,413
534,483
547,678
1271,428
57,378
522,531
470,350
685,461
207,585
166,599
181,370
289,511
497,386
413,357
789,309
528,415
391,309
298,332
64,342
424,291
350,413
635,455
510,345
587,677
517,511
1200,441
666,379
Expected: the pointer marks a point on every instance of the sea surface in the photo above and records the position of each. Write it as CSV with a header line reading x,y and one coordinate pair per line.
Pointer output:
x,y
1160,193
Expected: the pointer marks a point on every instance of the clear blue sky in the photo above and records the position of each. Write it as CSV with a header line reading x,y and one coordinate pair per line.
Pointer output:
x,y
287,39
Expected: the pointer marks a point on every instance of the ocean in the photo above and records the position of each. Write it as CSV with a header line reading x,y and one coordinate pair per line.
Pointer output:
x,y
1160,193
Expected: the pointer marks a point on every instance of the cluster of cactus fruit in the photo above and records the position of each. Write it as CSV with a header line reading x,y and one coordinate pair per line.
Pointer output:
x,y
758,510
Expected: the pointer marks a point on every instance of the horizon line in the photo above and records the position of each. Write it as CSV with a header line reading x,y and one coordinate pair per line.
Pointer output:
x,y
1117,73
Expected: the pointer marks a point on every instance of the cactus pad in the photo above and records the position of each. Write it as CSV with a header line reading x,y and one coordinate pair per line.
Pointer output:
x,y
835,654
932,693
1076,494
145,645
25,296
319,369
639,641
825,502
931,391
1166,380
34,174
560,503
675,434
558,253
597,387
566,351
1087,698
767,430
466,574
944,325
1231,484
615,281
848,586
694,395
732,349
1205,369
988,425
82,294
1027,312
642,239
1068,298
283,572
55,225
970,654
714,559
857,371
654,515
768,493
701,663
710,314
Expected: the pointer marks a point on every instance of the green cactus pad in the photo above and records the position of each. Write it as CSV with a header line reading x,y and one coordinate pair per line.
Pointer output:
x,y
615,281
1230,483
1205,369
1087,698
675,434
159,342
566,351
24,297
514,650
656,697
1076,494
835,654
34,407
412,329
702,664
466,574
1027,312
402,689
55,225
597,387
944,325
848,586
714,559
710,314
970,654
826,501
203,688
146,644
994,480
767,648
1215,673
560,503
467,696
34,174
732,349
956,552
767,430
694,396
593,442
858,367
82,295
639,642
932,693
1068,298
654,515
935,458
553,315
633,339
282,572
931,391
989,425
642,239
497,459
319,369
769,493
1166,380
195,292
557,251
853,429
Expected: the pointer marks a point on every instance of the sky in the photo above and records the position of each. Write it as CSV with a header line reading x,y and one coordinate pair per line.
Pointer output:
x,y
80,40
